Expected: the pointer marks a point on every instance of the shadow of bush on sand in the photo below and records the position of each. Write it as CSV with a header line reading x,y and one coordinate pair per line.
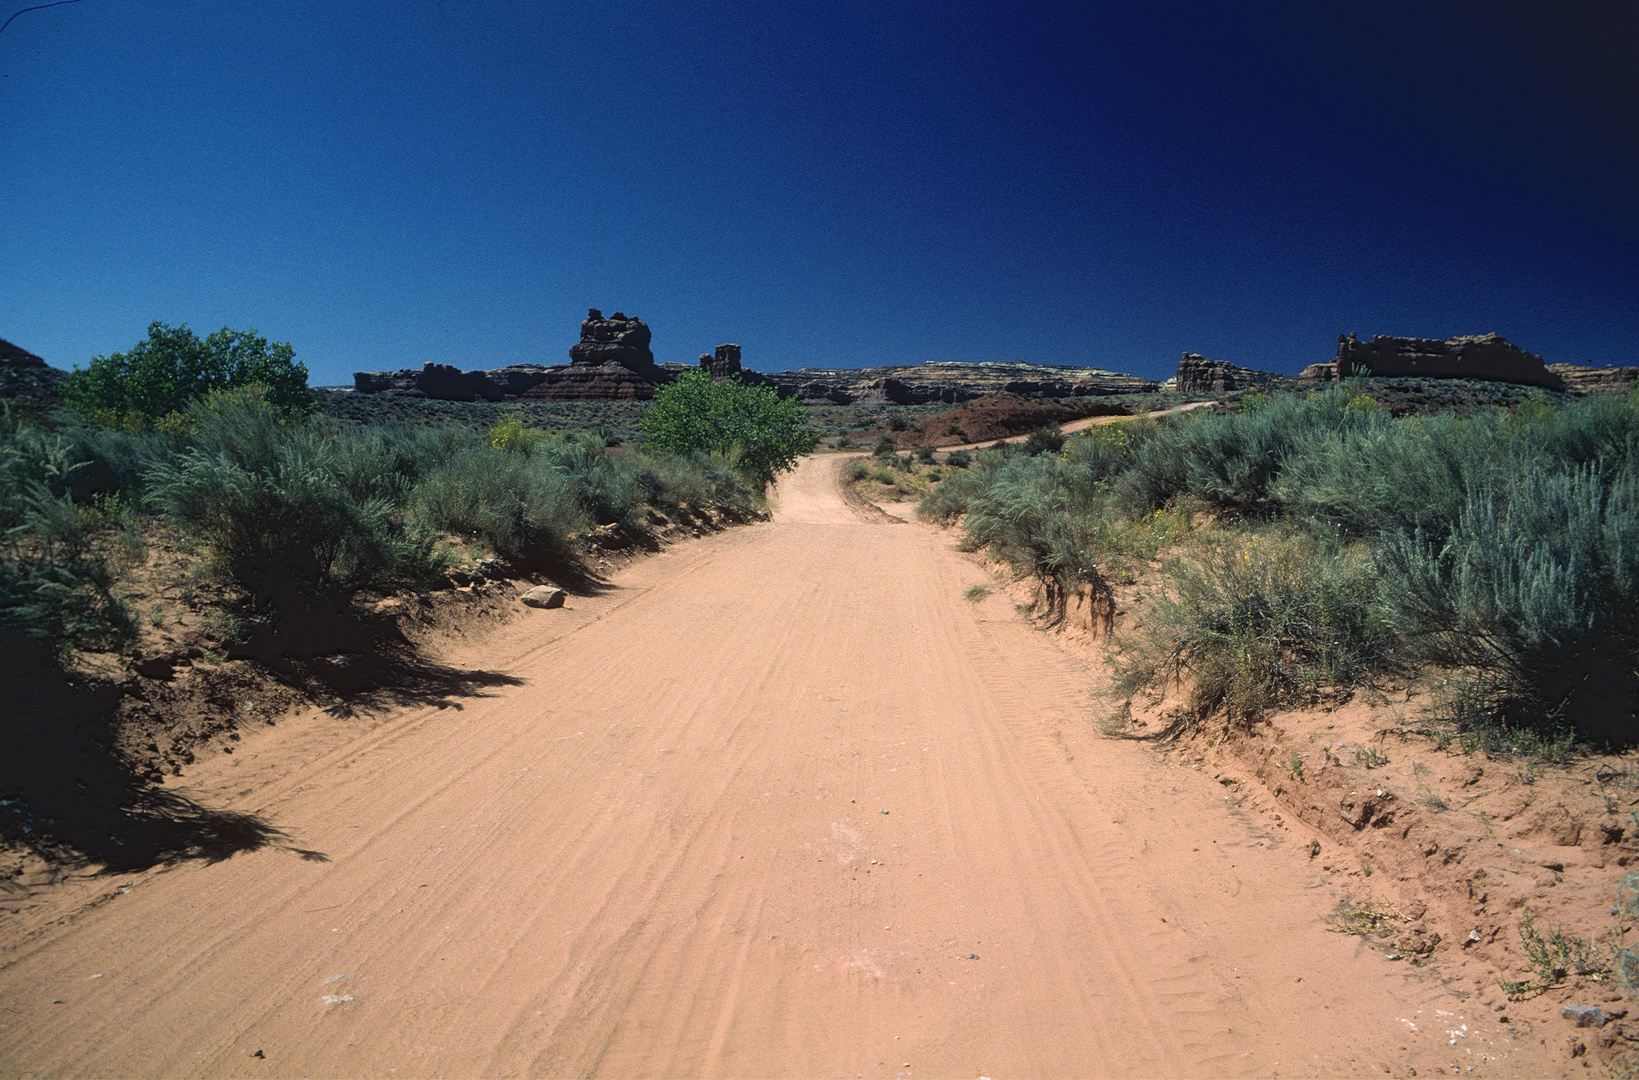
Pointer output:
x,y
70,797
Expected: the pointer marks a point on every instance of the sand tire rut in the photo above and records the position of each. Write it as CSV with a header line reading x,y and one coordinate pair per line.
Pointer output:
x,y
664,854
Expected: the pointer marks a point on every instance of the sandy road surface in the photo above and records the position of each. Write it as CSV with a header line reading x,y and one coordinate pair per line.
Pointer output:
x,y
666,854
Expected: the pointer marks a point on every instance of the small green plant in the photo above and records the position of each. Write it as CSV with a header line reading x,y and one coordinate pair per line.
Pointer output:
x,y
1552,956
924,454
885,446
955,428
959,459
1369,757
975,593
1294,764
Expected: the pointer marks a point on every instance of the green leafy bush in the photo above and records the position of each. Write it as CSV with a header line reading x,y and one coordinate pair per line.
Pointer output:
x,y
158,377
695,414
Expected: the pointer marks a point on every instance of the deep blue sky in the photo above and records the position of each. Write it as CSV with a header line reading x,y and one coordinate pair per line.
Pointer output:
x,y
385,183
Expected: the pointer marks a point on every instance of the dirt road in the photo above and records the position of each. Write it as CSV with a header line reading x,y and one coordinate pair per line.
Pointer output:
x,y
782,803
1072,426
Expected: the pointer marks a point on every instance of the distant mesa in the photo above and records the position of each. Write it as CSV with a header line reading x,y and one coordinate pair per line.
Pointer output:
x,y
1587,379
1479,356
1487,357
613,361
952,383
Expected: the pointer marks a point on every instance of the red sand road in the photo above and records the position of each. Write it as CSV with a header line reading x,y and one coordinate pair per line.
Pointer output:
x,y
781,803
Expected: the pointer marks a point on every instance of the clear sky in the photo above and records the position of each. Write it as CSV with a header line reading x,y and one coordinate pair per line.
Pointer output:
x,y
832,185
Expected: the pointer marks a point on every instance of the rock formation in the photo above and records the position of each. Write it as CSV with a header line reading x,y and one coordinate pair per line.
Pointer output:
x,y
612,362
615,340
1481,356
449,383
1196,374
27,378
724,364
1585,379
583,382
952,383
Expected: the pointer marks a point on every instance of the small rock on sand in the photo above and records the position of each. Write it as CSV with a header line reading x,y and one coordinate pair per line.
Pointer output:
x,y
543,596
1585,1015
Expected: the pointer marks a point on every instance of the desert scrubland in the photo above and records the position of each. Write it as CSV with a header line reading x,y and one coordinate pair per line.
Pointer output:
x,y
1282,736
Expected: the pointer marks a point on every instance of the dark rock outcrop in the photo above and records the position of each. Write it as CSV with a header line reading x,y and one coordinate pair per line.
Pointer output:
x,y
1197,374
724,364
582,382
616,340
26,378
449,383
612,362
1480,356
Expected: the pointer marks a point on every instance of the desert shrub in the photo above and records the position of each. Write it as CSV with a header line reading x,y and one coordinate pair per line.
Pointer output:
x,y
949,501
1385,475
265,494
1047,439
605,487
924,454
855,471
1533,588
694,414
157,377
885,446
1258,623
959,459
521,508
1019,511
898,422
510,434
54,586
697,482
1107,450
